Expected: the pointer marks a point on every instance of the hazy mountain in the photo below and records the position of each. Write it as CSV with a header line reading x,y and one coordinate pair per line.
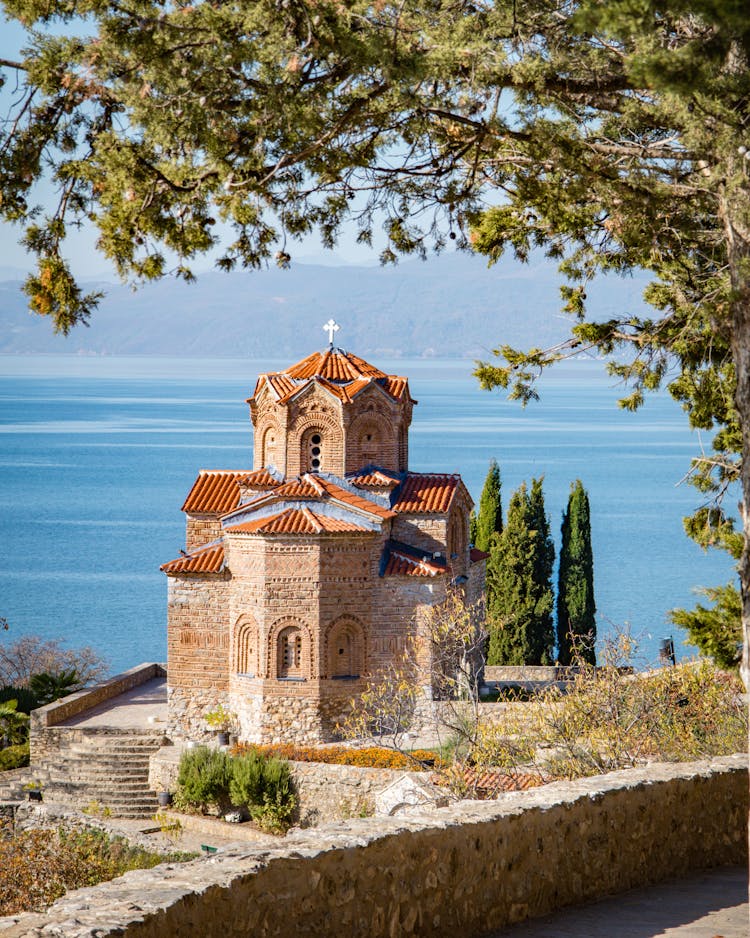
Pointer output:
x,y
452,305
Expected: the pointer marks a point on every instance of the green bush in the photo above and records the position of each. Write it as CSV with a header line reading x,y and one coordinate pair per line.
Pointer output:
x,y
204,777
14,757
248,779
260,784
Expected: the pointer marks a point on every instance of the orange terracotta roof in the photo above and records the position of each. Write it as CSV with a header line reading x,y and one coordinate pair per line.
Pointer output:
x,y
297,521
341,373
401,565
259,479
334,364
491,783
426,493
376,478
214,492
298,488
208,559
342,494
475,555
403,560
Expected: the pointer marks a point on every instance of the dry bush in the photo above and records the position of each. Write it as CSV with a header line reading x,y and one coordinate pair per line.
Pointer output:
x,y
39,866
611,717
30,655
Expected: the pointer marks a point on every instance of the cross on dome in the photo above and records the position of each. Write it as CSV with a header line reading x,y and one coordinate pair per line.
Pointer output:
x,y
331,327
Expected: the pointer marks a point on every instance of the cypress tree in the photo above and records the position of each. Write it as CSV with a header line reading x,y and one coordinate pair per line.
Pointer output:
x,y
544,562
576,608
519,588
490,517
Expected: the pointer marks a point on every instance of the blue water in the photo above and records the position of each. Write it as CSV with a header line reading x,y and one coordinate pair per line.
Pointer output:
x,y
97,455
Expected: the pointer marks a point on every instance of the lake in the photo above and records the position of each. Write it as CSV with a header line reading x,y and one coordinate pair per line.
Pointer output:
x,y
97,455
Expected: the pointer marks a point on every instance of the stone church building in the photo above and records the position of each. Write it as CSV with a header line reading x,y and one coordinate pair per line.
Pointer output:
x,y
306,574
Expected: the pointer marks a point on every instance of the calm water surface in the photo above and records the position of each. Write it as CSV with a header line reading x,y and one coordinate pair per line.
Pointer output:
x,y
97,455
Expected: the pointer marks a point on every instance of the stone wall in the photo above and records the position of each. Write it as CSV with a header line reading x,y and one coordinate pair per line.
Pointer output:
x,y
461,870
325,792
72,705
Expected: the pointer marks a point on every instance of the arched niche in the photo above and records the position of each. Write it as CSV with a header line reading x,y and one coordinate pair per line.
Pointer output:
x,y
245,647
344,649
289,650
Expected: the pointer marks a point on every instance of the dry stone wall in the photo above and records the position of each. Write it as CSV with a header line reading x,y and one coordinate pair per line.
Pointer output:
x,y
460,870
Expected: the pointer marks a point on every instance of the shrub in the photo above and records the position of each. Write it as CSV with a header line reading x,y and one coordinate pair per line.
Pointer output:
x,y
610,718
39,866
369,757
14,757
254,781
26,701
263,785
204,777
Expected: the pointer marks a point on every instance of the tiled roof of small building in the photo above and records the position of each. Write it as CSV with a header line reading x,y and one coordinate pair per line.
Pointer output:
x,y
214,491
475,555
490,783
341,373
297,521
403,560
208,559
426,493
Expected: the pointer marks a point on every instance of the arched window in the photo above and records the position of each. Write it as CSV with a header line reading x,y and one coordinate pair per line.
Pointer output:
x,y
289,654
312,450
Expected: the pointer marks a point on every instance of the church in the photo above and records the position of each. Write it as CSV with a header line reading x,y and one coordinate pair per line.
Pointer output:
x,y
307,574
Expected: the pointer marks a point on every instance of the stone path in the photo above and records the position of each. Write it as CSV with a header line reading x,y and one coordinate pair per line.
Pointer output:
x,y
713,904
143,707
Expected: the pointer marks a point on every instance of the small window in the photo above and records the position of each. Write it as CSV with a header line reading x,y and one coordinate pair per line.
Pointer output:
x,y
290,654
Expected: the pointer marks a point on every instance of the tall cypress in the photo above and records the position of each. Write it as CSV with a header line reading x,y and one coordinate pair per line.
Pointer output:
x,y
489,520
519,584
576,608
544,562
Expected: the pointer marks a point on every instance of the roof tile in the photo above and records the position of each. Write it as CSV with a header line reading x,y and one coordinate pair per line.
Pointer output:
x,y
214,492
428,493
297,521
208,559
259,479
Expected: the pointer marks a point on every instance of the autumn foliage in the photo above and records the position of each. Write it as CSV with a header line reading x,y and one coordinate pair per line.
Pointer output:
x,y
370,757
39,866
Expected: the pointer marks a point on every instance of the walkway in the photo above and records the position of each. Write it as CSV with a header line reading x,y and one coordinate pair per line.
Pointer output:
x,y
712,904
144,708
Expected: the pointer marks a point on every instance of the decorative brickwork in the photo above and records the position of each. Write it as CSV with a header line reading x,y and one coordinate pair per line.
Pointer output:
x,y
322,559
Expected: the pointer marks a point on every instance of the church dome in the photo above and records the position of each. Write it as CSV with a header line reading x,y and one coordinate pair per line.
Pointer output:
x,y
332,411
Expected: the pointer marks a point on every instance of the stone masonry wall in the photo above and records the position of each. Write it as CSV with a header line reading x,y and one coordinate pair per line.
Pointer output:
x,y
325,792
461,870
197,650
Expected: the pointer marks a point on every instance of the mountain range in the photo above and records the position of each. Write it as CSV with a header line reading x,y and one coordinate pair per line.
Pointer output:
x,y
452,306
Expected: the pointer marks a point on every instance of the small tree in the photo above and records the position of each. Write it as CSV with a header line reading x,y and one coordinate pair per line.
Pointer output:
x,y
519,583
29,655
489,519
576,608
443,662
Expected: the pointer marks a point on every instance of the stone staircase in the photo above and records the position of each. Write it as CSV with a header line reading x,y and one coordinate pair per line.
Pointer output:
x,y
104,771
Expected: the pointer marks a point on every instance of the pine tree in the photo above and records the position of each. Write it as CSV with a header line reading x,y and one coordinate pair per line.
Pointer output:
x,y
519,588
490,516
576,608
